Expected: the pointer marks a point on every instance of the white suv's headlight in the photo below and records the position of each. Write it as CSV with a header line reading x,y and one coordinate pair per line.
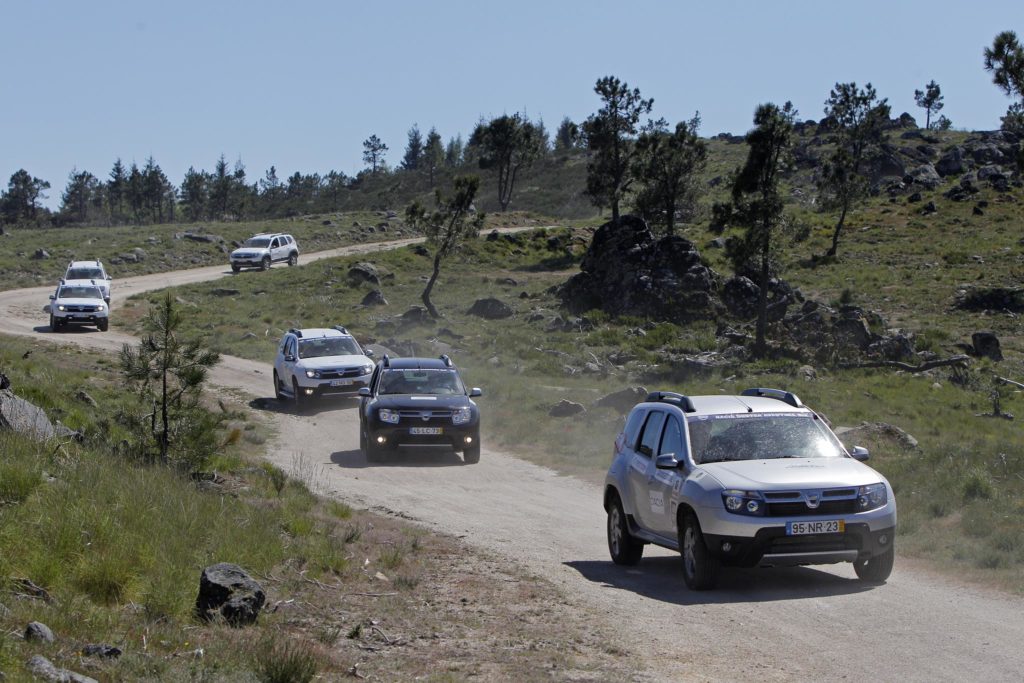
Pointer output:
x,y
743,502
871,497
461,415
388,415
312,373
367,369
101,307
61,307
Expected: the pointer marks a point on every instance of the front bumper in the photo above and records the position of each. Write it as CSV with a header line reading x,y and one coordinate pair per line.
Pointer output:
x,y
71,318
452,436
322,388
771,546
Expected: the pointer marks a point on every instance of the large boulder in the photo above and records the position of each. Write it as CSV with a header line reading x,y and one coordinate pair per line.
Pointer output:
x,y
227,592
740,295
566,408
490,309
374,298
927,176
951,163
628,271
364,272
43,668
986,345
22,417
622,401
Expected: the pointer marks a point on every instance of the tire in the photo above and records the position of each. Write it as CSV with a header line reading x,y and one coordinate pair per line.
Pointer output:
x,y
234,268
700,568
297,400
362,439
371,450
265,263
277,388
293,259
623,548
102,325
877,568
471,454
54,325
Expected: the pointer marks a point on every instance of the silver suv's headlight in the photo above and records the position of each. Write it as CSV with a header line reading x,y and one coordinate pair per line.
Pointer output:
x,y
871,497
367,369
101,307
61,307
388,415
461,415
743,502
312,373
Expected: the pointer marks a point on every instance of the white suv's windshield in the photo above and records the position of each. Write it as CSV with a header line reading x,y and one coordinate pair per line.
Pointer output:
x,y
257,242
760,436
328,346
84,274
79,293
432,381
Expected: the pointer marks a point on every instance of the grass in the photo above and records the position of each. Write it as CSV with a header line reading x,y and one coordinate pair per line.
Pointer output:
x,y
120,546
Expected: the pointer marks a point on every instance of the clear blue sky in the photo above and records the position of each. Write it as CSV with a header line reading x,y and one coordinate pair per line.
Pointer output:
x,y
300,85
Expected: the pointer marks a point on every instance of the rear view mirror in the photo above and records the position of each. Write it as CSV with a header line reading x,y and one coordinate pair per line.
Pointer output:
x,y
860,453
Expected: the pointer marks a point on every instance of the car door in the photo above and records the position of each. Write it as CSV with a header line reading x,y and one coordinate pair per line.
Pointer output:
x,y
275,249
665,483
647,507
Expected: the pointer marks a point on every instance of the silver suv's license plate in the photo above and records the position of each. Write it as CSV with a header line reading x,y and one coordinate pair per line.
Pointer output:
x,y
828,526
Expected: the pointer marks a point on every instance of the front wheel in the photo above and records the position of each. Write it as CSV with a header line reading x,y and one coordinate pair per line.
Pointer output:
x,y
623,548
700,568
277,387
877,568
371,450
297,399
293,259
265,263
471,454
234,268
54,324
103,325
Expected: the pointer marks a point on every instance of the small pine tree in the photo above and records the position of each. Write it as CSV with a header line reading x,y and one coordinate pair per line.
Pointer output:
x,y
929,99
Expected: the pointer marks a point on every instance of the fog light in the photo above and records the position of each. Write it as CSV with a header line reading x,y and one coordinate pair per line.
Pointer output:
x,y
469,439
309,392
883,539
726,547
380,439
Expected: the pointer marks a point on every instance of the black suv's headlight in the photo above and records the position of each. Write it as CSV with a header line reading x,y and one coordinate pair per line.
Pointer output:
x,y
388,415
461,416
871,497
743,502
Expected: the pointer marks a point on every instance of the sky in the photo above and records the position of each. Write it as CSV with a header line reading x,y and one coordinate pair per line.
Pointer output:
x,y
299,85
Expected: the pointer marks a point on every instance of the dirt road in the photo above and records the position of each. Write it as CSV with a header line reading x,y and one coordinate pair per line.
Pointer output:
x,y
779,624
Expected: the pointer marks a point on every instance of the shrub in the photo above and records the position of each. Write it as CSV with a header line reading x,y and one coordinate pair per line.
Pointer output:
x,y
285,661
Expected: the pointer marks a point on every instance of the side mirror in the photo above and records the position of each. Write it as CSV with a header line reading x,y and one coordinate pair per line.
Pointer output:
x,y
860,453
368,353
364,391
476,391
668,461
52,297
110,277
289,358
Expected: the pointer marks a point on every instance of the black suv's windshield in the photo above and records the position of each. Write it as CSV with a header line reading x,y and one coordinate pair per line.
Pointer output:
x,y
79,293
83,274
257,242
760,436
432,381
328,346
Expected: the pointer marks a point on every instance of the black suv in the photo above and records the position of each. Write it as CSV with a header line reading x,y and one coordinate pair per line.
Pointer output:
x,y
418,402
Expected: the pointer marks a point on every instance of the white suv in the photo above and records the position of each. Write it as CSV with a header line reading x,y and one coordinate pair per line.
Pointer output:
x,y
89,272
317,362
75,303
260,251
744,480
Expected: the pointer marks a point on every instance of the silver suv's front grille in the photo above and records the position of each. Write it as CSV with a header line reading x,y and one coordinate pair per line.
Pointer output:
x,y
811,502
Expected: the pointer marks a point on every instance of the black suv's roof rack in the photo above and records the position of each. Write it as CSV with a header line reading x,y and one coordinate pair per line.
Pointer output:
x,y
446,359
340,328
297,333
683,402
778,394
385,361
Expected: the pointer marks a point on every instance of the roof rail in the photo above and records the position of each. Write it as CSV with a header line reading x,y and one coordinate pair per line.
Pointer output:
x,y
683,402
778,394
97,261
386,361
297,333
446,359
340,328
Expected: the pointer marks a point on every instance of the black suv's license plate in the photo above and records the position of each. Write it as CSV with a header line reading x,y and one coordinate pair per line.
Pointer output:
x,y
828,526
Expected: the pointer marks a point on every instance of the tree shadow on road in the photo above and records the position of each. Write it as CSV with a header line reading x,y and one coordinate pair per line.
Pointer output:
x,y
355,460
269,404
661,578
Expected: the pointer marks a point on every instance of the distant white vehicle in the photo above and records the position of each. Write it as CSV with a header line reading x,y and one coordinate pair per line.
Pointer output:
x,y
260,251
75,303
89,272
314,363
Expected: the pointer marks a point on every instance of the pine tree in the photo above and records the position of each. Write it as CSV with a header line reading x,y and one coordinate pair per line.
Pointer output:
x,y
433,153
929,99
116,188
413,150
373,152
506,144
667,165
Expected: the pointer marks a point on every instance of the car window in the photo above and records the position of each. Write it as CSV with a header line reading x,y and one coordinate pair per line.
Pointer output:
x,y
84,274
652,433
273,243
328,346
672,440
79,293
257,242
632,428
760,436
291,347
417,381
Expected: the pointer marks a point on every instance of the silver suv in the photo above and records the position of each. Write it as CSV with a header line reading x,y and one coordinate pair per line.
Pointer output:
x,y
318,362
744,480
89,272
260,251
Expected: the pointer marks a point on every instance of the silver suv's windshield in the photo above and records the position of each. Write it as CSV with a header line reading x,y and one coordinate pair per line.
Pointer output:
x,y
84,274
79,293
431,381
760,436
328,346
257,242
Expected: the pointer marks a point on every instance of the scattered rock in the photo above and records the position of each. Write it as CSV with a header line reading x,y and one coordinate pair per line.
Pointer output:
x,y
101,650
490,309
416,315
926,176
248,335
203,238
43,668
224,291
566,408
227,592
740,295
40,255
807,373
23,417
364,272
622,401
374,298
928,209
39,632
5,381
873,430
85,398
990,299
420,250
951,163
986,345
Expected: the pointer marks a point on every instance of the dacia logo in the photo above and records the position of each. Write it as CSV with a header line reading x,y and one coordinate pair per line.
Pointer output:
x,y
813,499
425,415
